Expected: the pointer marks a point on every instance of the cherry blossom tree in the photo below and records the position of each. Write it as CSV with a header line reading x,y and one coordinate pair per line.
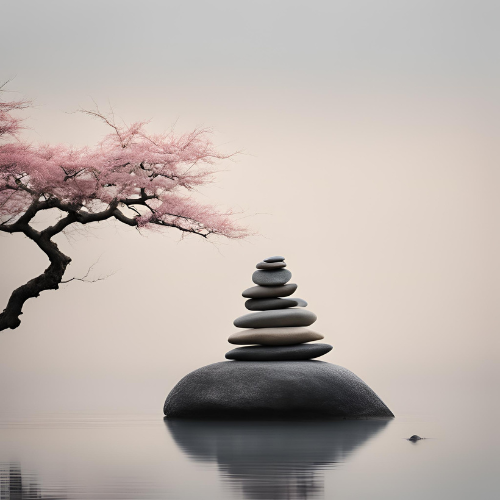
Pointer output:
x,y
142,180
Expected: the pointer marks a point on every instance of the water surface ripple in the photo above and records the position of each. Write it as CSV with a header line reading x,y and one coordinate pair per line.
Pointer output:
x,y
141,457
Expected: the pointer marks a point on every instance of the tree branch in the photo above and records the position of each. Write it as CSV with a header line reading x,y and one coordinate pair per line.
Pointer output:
x,y
10,228
193,231
77,216
123,218
84,278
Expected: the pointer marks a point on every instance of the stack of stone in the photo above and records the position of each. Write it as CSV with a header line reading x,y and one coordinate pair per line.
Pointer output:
x,y
269,378
279,328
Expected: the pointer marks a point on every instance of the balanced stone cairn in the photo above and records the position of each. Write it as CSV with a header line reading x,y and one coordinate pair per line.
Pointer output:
x,y
279,328
274,375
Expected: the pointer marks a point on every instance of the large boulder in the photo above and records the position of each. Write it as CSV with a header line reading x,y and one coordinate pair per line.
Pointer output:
x,y
273,389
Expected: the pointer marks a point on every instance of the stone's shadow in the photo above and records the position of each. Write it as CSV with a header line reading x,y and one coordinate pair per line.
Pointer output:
x,y
273,459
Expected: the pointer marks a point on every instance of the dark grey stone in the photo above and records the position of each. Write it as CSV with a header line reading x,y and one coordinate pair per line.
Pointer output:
x,y
271,277
268,304
415,438
300,302
278,317
276,258
273,389
279,353
270,265
264,292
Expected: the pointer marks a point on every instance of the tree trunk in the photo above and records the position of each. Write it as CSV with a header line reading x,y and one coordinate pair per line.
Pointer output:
x,y
48,280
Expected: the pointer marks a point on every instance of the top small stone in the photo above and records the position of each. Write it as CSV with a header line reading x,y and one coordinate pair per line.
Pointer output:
x,y
277,258
270,265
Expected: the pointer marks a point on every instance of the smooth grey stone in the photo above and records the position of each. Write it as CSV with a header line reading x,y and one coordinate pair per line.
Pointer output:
x,y
273,389
276,258
300,302
264,292
296,352
278,317
272,277
270,265
268,304
415,438
247,453
288,335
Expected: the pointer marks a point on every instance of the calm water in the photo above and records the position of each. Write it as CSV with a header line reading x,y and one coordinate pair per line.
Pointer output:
x,y
146,457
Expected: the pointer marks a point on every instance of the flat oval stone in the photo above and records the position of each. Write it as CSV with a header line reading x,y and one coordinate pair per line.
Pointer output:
x,y
268,304
264,292
271,277
270,265
279,317
276,258
300,302
273,389
296,352
274,336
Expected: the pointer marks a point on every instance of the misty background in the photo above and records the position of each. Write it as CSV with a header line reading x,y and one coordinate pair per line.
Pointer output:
x,y
369,139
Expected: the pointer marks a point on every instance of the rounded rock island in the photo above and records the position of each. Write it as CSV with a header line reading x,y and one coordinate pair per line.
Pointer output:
x,y
273,389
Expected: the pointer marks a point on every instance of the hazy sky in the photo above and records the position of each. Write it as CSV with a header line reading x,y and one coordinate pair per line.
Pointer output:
x,y
370,139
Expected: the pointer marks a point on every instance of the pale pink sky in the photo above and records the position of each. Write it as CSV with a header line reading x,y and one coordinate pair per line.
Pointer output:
x,y
370,138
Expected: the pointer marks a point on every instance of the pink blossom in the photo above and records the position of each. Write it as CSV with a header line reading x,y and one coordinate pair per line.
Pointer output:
x,y
127,165
143,180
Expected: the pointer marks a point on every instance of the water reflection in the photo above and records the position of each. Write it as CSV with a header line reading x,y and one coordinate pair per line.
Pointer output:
x,y
16,485
273,460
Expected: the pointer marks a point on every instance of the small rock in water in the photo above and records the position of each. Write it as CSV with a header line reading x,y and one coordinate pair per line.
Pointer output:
x,y
272,277
415,438
264,292
300,302
270,265
281,353
268,304
278,317
290,335
276,258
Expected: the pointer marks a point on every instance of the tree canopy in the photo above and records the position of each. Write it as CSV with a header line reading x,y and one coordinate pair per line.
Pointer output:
x,y
140,179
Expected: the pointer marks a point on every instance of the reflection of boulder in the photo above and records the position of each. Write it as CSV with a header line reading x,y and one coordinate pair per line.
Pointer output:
x,y
269,389
272,459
